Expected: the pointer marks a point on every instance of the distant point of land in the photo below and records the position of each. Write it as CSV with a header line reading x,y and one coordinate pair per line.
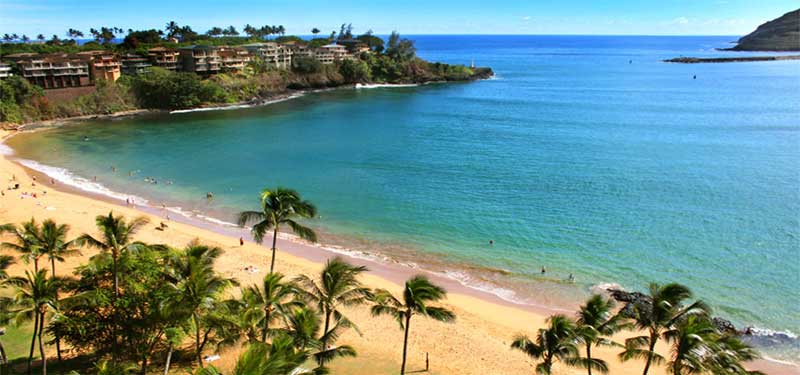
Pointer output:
x,y
780,34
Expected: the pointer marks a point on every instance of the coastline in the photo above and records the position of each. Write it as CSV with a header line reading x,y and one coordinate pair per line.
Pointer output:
x,y
486,321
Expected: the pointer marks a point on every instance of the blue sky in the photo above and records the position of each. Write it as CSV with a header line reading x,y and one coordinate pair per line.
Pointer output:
x,y
618,17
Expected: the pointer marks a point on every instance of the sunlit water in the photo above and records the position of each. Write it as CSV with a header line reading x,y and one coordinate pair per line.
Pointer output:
x,y
586,155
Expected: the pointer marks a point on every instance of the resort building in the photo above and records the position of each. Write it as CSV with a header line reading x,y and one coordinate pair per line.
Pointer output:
x,y
102,65
134,64
271,53
54,70
233,59
5,70
298,49
328,54
164,58
203,60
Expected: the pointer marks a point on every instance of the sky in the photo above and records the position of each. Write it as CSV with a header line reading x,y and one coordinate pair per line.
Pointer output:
x,y
583,17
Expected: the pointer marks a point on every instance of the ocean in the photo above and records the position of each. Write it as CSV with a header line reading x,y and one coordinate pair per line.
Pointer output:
x,y
585,155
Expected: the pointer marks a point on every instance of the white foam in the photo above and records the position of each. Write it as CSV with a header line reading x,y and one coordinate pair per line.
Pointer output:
x,y
5,150
237,106
380,85
66,177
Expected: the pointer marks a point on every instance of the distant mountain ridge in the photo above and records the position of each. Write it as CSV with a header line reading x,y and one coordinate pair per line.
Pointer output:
x,y
780,34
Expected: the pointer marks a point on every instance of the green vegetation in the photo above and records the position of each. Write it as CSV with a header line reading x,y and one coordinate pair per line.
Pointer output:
x,y
135,305
391,62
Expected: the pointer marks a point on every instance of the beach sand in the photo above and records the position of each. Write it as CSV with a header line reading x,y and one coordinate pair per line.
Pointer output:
x,y
477,343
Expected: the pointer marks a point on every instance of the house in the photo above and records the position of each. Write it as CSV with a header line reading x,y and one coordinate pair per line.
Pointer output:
x,y
203,60
164,58
233,59
274,54
102,65
330,53
134,64
5,70
52,71
298,49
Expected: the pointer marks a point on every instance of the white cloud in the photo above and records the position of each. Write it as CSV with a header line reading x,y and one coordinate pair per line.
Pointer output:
x,y
526,18
680,21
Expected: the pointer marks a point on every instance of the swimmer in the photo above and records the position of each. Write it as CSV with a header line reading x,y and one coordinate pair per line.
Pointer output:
x,y
209,195
491,242
571,278
544,271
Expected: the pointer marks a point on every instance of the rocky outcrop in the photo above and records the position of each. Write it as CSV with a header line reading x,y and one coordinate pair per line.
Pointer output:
x,y
700,60
780,34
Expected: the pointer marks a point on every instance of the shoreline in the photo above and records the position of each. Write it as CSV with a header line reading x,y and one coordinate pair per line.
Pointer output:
x,y
391,273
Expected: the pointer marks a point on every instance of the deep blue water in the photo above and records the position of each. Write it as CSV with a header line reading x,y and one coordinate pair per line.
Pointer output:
x,y
586,155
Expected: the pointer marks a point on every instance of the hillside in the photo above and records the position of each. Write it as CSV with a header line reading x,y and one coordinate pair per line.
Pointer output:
x,y
780,34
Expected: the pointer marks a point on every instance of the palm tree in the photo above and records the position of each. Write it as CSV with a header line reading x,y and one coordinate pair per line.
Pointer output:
x,y
727,354
174,336
555,342
691,339
595,322
35,294
279,358
117,237
303,327
53,243
315,31
25,241
171,28
337,286
197,286
273,296
660,314
279,206
417,295
5,262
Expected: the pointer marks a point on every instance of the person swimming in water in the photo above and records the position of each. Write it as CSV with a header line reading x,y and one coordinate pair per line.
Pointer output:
x,y
544,271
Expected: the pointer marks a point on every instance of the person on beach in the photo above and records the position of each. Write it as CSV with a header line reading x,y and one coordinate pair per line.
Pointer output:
x,y
241,241
209,195
571,278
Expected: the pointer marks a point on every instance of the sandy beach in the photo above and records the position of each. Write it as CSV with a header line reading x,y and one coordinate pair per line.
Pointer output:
x,y
477,343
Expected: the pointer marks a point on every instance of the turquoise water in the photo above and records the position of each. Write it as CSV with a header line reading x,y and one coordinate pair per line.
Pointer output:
x,y
586,155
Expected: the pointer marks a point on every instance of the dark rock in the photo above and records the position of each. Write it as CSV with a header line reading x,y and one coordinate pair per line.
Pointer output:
x,y
724,325
780,34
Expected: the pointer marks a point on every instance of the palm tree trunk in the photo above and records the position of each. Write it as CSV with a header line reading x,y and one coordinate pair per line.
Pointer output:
x,y
114,349
169,358
144,366
405,345
267,314
325,333
589,357
41,348
53,266
653,339
36,264
3,359
197,340
33,340
274,243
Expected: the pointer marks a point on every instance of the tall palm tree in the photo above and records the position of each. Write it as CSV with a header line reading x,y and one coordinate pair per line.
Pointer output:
x,y
198,288
303,327
116,238
692,338
336,287
556,342
25,241
174,337
595,323
274,296
53,242
419,292
279,206
5,262
664,309
35,295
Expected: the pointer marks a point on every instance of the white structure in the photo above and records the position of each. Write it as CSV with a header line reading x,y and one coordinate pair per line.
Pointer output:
x,y
272,53
5,70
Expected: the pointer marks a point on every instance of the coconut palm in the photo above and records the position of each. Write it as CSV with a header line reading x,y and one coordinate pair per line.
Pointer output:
x,y
278,358
419,292
303,327
662,310
274,296
336,287
52,239
35,295
556,342
5,262
198,288
595,323
692,338
116,238
25,241
174,337
727,355
279,206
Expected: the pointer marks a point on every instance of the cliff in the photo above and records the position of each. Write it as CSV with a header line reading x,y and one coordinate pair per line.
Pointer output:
x,y
780,34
